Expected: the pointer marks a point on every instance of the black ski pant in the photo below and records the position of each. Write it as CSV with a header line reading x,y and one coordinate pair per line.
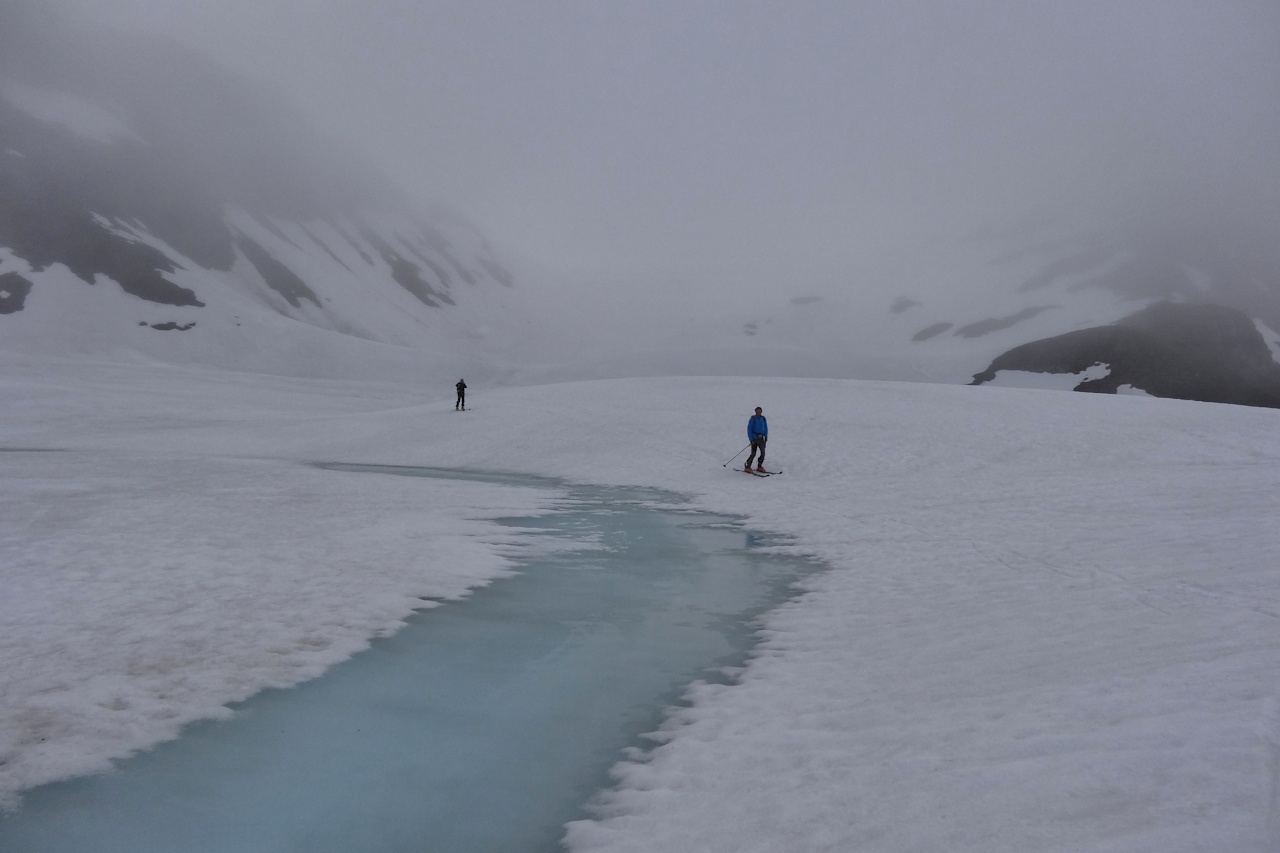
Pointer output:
x,y
462,400
756,444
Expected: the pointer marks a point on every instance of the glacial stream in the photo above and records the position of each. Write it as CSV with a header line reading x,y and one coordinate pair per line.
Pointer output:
x,y
483,725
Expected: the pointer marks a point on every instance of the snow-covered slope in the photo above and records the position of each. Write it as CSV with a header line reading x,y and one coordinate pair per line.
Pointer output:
x,y
153,204
1049,620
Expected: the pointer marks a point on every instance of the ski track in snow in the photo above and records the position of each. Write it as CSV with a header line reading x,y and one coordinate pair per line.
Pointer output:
x,y
1051,619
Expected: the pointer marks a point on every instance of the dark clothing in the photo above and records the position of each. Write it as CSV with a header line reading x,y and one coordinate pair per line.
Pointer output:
x,y
758,432
462,395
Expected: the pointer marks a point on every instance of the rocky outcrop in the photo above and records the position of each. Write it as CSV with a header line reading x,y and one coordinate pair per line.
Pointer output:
x,y
1183,351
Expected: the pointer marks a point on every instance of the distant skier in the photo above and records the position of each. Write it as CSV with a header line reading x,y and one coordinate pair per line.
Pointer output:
x,y
758,433
462,397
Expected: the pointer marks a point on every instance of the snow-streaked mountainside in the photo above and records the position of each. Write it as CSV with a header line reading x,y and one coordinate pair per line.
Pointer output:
x,y
1046,621
152,203
155,205
1186,351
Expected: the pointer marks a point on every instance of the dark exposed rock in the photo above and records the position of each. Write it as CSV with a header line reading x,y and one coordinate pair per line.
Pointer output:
x,y
1184,351
190,141
407,274
931,331
901,304
326,249
55,201
173,327
439,244
351,241
995,324
13,292
278,277
442,275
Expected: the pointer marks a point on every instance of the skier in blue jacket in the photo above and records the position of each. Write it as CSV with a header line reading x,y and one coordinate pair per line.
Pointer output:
x,y
758,433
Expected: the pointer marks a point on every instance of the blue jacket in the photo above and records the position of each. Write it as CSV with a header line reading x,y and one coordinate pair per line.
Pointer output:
x,y
757,427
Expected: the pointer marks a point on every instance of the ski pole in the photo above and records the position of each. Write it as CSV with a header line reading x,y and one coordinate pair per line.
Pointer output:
x,y
735,456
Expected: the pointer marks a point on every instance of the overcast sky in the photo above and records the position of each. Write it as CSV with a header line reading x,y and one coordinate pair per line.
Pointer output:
x,y
751,139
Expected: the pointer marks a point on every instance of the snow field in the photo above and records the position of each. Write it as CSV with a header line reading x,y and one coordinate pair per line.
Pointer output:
x,y
145,590
1050,623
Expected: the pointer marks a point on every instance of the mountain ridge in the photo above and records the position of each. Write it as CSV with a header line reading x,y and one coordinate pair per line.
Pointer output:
x,y
142,168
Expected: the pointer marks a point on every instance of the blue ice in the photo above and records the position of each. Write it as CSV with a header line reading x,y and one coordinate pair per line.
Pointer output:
x,y
484,725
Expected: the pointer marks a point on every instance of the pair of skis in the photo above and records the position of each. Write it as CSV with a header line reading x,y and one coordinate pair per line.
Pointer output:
x,y
748,469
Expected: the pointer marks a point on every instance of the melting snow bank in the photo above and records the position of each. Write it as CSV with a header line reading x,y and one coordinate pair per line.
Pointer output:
x,y
480,726
147,588
1051,623
144,593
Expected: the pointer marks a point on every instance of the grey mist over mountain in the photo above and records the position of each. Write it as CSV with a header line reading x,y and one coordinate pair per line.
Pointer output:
x,y
882,190
156,205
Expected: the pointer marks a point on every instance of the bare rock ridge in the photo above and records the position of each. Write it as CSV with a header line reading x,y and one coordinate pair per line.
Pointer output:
x,y
1184,351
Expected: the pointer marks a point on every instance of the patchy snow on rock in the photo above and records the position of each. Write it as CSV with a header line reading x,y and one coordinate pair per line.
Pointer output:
x,y
1048,381
1270,336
